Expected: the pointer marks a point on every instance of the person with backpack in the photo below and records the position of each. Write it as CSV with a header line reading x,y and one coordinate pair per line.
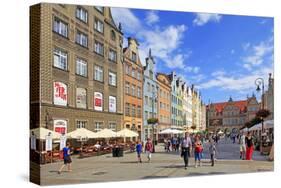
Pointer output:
x,y
148,149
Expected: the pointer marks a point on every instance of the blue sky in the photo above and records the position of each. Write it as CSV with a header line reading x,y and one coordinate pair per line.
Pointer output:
x,y
221,55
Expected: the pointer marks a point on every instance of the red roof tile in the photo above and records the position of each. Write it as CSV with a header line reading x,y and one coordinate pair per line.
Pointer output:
x,y
242,105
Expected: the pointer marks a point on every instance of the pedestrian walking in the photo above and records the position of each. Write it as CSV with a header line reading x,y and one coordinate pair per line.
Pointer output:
x,y
66,158
139,151
249,146
212,151
148,149
186,146
198,151
242,143
168,146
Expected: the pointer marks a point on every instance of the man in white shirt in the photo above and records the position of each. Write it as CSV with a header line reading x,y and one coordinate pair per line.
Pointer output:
x,y
186,147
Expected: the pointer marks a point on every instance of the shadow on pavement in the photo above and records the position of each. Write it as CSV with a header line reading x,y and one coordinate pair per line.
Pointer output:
x,y
99,173
129,162
153,177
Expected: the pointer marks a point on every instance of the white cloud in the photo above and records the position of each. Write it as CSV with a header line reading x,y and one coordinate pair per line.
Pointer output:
x,y
194,69
164,41
151,17
128,20
236,82
157,41
258,54
203,18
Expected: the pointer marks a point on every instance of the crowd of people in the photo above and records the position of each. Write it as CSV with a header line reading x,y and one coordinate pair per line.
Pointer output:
x,y
187,146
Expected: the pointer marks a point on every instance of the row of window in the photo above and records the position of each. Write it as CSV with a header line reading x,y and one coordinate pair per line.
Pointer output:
x,y
177,122
148,101
164,106
164,119
148,115
133,90
151,87
164,94
133,72
233,121
176,100
176,111
61,62
97,125
81,38
132,110
61,94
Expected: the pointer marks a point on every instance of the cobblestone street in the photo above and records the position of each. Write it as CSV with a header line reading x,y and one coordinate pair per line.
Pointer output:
x,y
163,165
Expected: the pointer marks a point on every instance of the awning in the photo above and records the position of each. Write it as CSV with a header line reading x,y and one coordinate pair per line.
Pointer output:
x,y
171,131
42,132
127,133
81,133
106,133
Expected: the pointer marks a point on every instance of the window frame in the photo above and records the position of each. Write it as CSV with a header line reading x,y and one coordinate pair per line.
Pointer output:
x,y
80,41
61,22
81,61
81,11
60,55
99,44
109,74
99,71
97,24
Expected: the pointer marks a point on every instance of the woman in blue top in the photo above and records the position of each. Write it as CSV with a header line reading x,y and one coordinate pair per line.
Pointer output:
x,y
139,150
66,158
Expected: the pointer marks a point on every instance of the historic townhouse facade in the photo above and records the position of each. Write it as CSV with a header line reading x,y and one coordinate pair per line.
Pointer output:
x,y
230,116
164,101
176,100
150,96
195,108
76,68
133,87
187,106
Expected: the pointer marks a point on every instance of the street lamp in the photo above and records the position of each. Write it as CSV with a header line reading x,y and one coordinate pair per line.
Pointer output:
x,y
260,83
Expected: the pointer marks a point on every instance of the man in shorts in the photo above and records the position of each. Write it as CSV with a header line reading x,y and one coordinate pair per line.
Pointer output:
x,y
66,158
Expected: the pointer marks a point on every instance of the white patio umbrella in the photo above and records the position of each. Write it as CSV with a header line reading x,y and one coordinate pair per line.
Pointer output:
x,y
268,124
42,132
171,131
106,133
127,133
256,127
81,133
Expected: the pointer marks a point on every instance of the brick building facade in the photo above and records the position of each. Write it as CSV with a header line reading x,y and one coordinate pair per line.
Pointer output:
x,y
76,68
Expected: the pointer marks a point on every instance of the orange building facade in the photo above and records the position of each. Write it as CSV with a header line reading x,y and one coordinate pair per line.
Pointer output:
x,y
163,102
133,84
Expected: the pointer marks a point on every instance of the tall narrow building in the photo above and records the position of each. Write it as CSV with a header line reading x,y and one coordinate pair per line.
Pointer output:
x,y
150,94
133,87
76,68
164,102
